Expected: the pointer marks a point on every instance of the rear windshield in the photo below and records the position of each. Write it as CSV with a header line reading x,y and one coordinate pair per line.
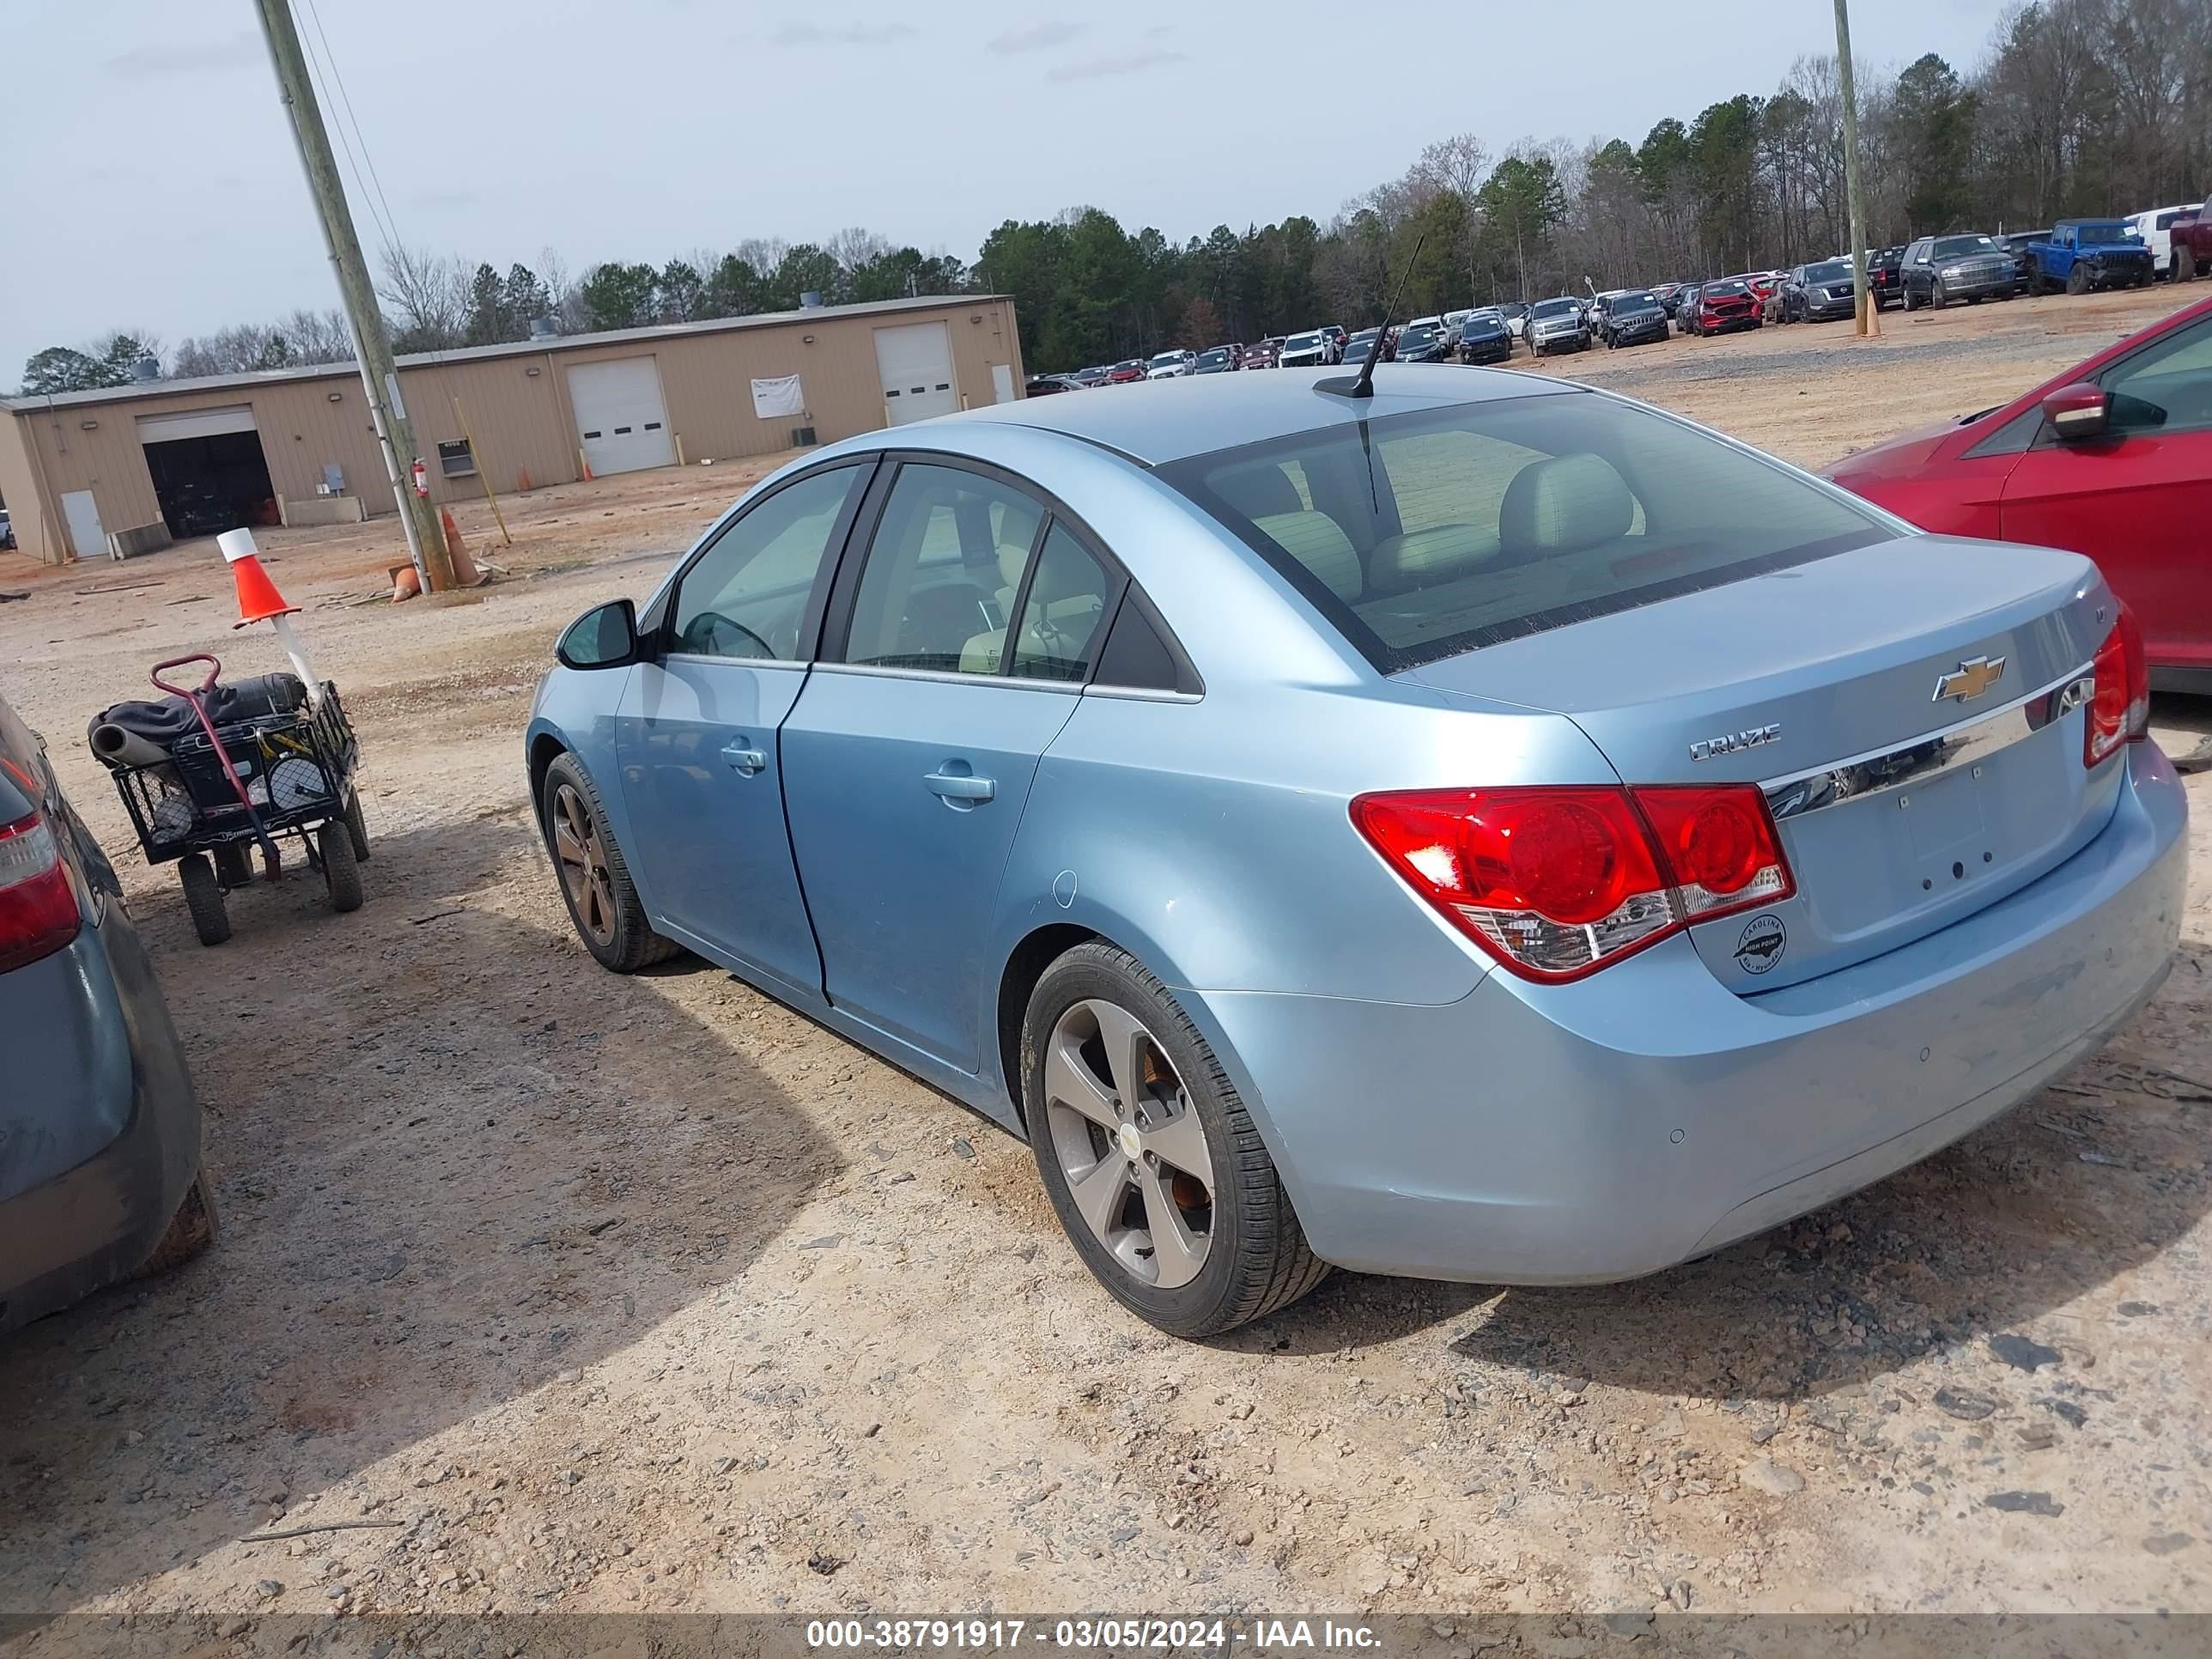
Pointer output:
x,y
1424,535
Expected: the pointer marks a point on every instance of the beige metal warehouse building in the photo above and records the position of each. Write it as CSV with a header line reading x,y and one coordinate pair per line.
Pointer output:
x,y
120,470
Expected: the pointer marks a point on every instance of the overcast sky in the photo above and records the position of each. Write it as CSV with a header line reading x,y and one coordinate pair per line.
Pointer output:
x,y
150,180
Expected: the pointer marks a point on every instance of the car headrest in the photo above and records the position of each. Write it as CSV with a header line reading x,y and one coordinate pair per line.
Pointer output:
x,y
1259,492
1562,504
1013,559
1317,542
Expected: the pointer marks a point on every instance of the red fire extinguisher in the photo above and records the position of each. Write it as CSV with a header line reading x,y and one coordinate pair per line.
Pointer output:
x,y
422,479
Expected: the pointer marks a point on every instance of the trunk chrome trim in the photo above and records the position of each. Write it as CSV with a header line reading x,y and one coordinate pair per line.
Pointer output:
x,y
1938,751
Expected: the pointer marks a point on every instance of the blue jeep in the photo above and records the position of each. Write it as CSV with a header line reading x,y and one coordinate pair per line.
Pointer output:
x,y
2081,254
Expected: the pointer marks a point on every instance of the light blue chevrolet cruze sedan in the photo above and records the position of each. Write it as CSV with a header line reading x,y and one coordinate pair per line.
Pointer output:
x,y
1487,830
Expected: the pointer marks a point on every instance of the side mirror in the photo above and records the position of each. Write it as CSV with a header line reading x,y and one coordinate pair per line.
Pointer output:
x,y
604,637
2078,412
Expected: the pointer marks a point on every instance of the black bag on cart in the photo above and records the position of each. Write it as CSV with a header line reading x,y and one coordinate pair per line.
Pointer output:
x,y
163,721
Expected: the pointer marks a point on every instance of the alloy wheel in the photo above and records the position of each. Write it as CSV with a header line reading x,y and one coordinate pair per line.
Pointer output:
x,y
583,863
1129,1143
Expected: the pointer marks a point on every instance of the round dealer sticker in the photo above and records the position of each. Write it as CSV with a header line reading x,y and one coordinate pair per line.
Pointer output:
x,y
1762,944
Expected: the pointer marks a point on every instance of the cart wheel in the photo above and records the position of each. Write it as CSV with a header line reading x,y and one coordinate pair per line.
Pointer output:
x,y
356,827
341,870
204,898
233,864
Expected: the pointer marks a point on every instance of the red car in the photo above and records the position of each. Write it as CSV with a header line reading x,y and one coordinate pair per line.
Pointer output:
x,y
1722,305
2112,459
1126,374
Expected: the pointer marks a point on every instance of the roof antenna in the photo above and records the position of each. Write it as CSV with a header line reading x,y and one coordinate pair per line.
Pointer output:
x,y
1361,385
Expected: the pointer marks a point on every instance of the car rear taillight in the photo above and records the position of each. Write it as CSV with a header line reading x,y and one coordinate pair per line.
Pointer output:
x,y
1557,883
2119,710
38,906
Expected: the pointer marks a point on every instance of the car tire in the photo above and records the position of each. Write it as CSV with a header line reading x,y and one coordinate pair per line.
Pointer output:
x,y
2184,263
594,877
191,1230
1253,1258
204,898
2077,281
1937,296
341,870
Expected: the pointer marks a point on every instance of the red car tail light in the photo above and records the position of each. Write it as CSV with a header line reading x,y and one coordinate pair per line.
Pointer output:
x,y
38,907
1557,883
2119,711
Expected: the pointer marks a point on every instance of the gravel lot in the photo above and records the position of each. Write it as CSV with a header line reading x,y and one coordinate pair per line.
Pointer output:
x,y
594,1293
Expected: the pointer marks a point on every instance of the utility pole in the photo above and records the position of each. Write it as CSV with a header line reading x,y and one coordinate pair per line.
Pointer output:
x,y
1865,312
379,375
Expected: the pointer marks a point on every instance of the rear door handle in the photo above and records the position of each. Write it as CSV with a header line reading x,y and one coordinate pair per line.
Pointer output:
x,y
746,761
958,787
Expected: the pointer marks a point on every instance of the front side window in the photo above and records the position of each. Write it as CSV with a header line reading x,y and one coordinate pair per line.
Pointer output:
x,y
943,572
746,595
2167,386
1423,535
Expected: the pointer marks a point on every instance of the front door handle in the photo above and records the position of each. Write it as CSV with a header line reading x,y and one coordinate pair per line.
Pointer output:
x,y
746,761
959,786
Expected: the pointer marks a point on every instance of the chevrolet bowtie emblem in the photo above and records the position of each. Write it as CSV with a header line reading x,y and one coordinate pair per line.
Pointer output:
x,y
1970,679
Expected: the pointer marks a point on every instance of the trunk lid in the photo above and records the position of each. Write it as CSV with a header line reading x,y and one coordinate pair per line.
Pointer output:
x,y
1901,808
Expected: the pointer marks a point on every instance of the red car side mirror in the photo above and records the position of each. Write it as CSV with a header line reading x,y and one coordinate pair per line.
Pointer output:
x,y
2078,411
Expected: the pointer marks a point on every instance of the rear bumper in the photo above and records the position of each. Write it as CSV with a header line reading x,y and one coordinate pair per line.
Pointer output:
x,y
1598,1131
98,1220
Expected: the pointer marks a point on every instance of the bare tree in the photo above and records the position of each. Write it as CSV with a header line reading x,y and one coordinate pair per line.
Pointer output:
x,y
431,293
318,336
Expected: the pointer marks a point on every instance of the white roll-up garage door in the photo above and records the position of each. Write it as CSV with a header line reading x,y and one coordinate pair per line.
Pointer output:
x,y
916,361
620,418
195,423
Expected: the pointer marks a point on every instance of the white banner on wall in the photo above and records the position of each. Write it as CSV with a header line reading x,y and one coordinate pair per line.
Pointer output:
x,y
780,396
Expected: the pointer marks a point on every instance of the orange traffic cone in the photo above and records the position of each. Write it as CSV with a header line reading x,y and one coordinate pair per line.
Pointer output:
x,y
465,567
257,598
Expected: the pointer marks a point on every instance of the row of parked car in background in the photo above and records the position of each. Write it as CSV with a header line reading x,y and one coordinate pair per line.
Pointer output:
x,y
2075,256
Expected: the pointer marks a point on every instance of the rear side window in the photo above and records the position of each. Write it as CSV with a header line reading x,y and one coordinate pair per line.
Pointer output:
x,y
1063,612
942,572
1424,535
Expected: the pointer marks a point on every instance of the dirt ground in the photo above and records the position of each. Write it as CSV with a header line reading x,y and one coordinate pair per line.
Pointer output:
x,y
599,1293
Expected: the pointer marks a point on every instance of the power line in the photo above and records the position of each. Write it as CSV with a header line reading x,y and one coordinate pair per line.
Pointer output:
x,y
388,220
319,75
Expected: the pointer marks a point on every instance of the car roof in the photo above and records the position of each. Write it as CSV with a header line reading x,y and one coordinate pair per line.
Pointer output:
x,y
1159,421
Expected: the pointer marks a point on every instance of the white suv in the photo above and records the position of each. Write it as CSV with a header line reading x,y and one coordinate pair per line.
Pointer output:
x,y
2155,227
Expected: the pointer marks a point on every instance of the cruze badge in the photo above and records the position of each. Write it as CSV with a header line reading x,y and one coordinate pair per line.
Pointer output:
x,y
1970,679
1729,742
